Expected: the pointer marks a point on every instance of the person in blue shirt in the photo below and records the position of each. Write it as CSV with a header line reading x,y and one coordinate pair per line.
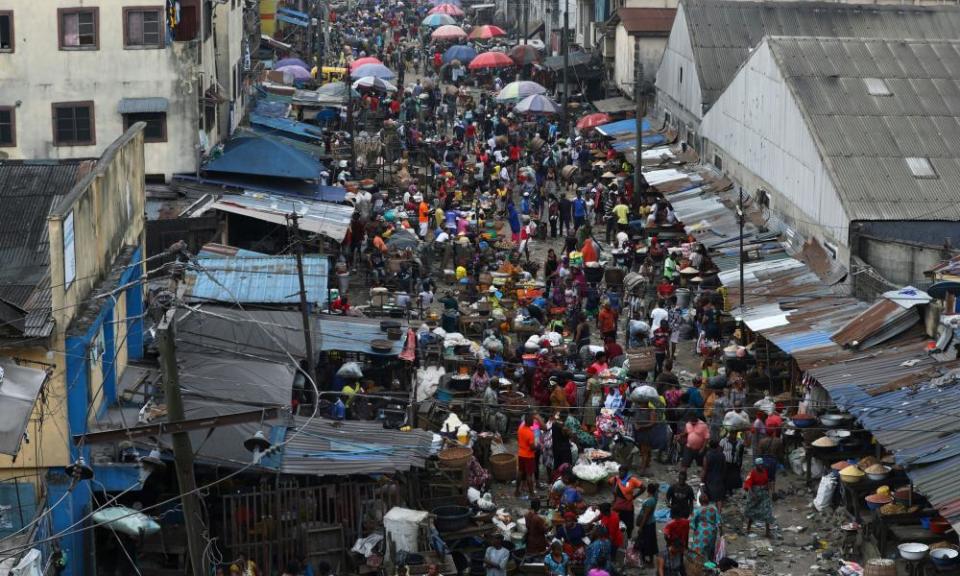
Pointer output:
x,y
514,217
525,204
599,552
579,211
695,401
494,366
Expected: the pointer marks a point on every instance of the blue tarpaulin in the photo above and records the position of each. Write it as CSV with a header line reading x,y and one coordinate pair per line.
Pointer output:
x,y
651,140
294,13
290,128
283,187
623,127
263,156
294,17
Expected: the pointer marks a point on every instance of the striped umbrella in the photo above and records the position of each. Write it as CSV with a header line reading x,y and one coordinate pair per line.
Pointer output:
x,y
491,60
537,104
486,32
362,61
374,83
591,121
378,70
519,90
437,20
448,9
448,32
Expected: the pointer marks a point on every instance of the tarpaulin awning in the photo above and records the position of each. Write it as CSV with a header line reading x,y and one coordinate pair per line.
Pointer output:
x,y
573,59
623,127
142,105
294,13
291,20
265,156
614,105
301,189
292,128
330,220
19,387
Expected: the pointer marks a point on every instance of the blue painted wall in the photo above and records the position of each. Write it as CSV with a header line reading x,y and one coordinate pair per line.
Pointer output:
x,y
79,397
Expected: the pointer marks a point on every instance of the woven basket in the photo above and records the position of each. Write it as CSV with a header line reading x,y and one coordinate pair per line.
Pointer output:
x,y
503,467
454,457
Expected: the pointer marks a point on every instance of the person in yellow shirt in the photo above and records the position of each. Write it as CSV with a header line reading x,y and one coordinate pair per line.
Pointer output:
x,y
622,213
439,217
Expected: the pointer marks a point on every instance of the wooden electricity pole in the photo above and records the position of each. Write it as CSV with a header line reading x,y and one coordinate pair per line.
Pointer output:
x,y
292,219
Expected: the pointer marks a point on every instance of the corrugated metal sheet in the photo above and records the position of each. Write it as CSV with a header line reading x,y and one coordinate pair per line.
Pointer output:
x,y
865,139
647,21
331,220
917,423
258,279
18,393
723,32
341,448
142,105
352,335
28,192
882,321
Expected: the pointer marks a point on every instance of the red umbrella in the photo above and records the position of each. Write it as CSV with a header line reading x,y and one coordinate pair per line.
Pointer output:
x,y
491,60
448,9
592,121
448,32
365,60
486,31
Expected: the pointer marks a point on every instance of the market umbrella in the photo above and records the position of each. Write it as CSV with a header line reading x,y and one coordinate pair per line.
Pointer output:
x,y
437,20
290,62
403,239
454,2
525,54
491,60
374,83
486,32
461,52
448,32
298,72
334,90
378,70
519,90
592,121
448,9
537,104
364,61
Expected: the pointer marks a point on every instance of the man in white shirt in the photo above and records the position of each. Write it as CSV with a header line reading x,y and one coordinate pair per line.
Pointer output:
x,y
496,557
658,314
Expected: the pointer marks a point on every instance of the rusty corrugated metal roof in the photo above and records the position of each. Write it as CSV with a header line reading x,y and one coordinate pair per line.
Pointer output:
x,y
647,21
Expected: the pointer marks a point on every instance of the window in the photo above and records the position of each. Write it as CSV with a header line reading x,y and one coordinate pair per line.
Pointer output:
x,y
79,28
143,27
6,31
718,162
8,126
156,130
921,168
73,124
186,29
681,74
877,87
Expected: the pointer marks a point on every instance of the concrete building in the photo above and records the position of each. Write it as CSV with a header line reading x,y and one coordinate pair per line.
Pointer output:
x,y
77,74
711,39
640,38
72,235
832,132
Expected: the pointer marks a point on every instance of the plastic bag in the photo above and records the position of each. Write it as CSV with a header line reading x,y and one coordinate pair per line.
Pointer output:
x,y
735,421
798,465
828,484
631,558
350,370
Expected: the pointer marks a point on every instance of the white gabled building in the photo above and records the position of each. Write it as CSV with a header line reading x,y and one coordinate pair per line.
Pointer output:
x,y
711,39
837,131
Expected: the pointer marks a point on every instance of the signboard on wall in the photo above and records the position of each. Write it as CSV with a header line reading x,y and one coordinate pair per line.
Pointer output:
x,y
69,252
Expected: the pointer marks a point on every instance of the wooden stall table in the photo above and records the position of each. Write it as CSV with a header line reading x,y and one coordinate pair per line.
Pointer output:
x,y
828,456
473,324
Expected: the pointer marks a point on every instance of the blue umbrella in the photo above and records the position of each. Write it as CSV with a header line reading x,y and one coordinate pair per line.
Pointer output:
x,y
460,52
436,20
290,62
378,70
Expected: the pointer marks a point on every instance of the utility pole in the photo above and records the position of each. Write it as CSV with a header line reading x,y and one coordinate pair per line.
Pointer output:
x,y
641,112
182,447
292,219
740,217
566,53
526,20
353,147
